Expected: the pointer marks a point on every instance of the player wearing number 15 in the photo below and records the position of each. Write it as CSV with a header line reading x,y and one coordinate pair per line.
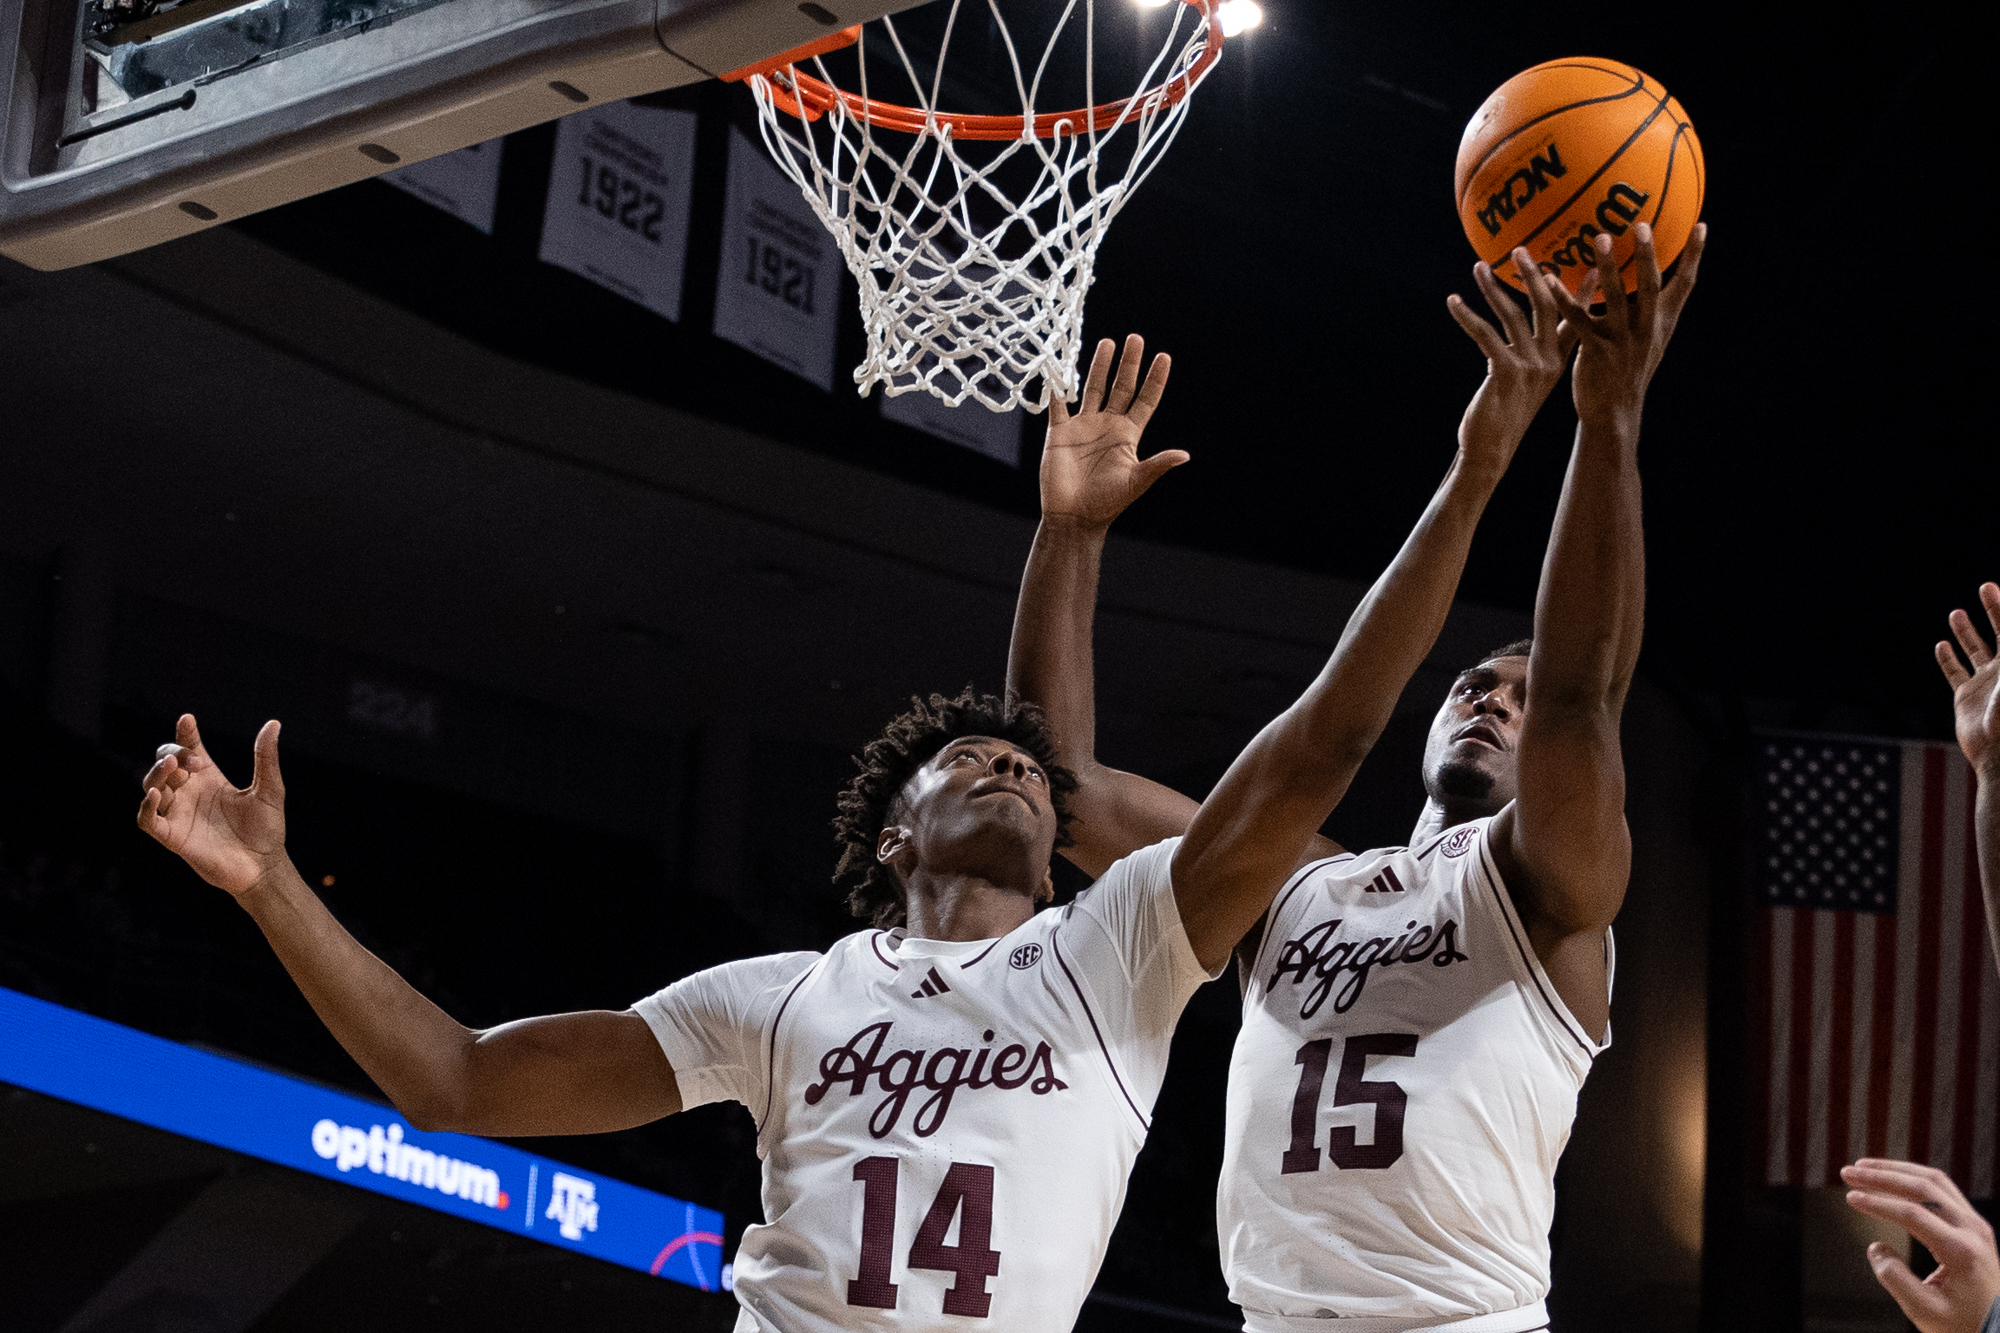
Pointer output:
x,y
947,1104
1417,1021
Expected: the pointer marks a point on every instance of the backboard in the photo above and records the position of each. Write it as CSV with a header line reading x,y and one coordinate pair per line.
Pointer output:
x,y
125,123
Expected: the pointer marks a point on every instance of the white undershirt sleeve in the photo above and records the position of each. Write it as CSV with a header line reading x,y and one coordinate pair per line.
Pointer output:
x,y
712,1026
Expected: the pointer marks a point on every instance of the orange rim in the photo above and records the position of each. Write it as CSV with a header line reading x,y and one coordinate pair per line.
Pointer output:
x,y
809,98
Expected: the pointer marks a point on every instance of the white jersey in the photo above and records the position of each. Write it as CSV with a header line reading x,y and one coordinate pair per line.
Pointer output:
x,y
946,1128
1403,1084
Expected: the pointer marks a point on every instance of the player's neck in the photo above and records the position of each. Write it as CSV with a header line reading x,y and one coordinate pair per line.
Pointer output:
x,y
964,907
1441,815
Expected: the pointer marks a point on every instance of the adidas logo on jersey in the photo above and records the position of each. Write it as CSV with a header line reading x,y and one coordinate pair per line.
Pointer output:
x,y
1386,882
942,1072
1318,957
933,985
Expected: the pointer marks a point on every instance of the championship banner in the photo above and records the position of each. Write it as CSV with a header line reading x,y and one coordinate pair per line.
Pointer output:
x,y
1876,1011
995,434
465,184
779,288
619,197
213,1099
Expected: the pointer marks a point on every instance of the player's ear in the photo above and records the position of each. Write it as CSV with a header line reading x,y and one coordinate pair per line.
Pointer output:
x,y
891,840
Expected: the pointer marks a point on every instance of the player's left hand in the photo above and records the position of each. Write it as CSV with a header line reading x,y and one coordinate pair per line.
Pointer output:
x,y
1622,347
1975,693
1091,467
1923,1201
1521,366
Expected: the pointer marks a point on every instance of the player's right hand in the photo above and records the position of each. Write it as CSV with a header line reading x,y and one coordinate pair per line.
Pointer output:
x,y
231,836
1091,467
1924,1202
1975,692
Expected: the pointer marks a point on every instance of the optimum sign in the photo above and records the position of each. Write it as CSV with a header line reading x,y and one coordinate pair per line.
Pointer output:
x,y
266,1115
385,1153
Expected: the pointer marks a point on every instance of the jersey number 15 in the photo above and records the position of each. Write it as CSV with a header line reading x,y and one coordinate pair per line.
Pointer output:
x,y
1350,1089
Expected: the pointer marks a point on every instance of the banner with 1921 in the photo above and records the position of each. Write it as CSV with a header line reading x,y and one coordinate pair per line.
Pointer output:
x,y
778,293
619,195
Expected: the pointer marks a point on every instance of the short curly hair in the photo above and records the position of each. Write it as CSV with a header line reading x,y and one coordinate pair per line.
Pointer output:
x,y
886,765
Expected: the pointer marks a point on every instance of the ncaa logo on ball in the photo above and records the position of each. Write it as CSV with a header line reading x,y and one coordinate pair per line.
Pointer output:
x,y
1459,843
1025,957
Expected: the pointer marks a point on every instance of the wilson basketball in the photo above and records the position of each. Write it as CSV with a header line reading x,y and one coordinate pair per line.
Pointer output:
x,y
1571,149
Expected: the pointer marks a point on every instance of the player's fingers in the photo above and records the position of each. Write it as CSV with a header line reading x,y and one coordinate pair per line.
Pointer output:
x,y
1058,412
1989,597
1536,284
1920,1221
1575,310
1686,267
163,767
1648,265
1913,1180
1616,314
149,813
1955,673
1501,304
1093,383
1918,1301
1968,639
1125,384
266,781
1152,390
1152,469
1476,328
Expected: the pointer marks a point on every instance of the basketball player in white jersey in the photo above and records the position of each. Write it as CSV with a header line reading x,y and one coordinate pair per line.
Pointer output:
x,y
1417,1021
947,1104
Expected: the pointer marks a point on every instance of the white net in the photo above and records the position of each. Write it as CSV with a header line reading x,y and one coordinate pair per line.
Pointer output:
x,y
973,255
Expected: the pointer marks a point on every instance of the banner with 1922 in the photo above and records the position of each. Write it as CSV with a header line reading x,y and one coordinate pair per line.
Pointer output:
x,y
619,194
778,293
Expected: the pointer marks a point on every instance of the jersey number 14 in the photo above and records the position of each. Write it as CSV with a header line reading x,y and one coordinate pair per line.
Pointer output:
x,y
966,1187
1350,1089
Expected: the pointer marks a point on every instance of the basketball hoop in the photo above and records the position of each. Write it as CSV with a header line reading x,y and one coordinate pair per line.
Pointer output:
x,y
973,265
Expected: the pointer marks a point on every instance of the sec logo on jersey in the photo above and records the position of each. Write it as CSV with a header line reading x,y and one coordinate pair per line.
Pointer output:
x,y
1459,842
1025,957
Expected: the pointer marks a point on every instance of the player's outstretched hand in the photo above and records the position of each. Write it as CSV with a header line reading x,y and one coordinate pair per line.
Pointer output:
x,y
1622,347
1923,1201
232,836
1091,467
1524,359
1975,692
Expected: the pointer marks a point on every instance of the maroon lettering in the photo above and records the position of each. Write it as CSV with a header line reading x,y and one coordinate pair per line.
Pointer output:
x,y
941,1073
872,1286
1350,1089
1303,1155
1339,969
969,1188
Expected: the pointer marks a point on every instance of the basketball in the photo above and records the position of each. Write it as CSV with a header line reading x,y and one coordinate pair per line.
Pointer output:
x,y
1570,149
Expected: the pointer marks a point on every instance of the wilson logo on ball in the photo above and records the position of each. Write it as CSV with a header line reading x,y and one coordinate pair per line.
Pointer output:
x,y
1520,188
1615,214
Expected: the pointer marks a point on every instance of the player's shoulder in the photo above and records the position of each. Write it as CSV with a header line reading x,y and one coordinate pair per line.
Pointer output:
x,y
1149,867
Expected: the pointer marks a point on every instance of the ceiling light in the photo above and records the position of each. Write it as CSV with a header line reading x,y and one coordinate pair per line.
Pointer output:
x,y
1239,16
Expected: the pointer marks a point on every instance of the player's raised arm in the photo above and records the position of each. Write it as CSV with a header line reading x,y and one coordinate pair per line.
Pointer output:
x,y
566,1074
1091,470
1976,700
1262,818
1563,846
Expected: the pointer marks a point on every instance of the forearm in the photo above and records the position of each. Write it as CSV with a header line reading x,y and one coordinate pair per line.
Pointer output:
x,y
414,1051
1049,660
1255,827
1986,818
1590,609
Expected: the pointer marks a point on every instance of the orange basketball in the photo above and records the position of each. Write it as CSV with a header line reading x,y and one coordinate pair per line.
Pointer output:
x,y
1572,148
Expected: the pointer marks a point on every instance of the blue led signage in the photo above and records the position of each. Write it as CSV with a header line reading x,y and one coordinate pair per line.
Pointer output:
x,y
86,1060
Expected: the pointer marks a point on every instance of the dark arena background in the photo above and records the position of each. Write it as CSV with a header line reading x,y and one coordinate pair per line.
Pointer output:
x,y
574,615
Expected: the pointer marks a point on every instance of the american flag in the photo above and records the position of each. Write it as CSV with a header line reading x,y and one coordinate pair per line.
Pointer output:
x,y
1877,1007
